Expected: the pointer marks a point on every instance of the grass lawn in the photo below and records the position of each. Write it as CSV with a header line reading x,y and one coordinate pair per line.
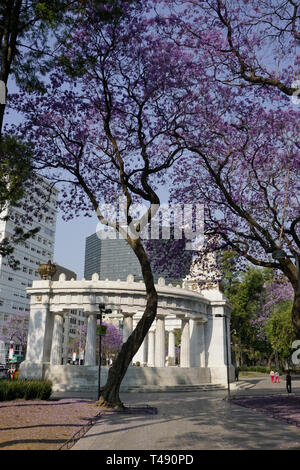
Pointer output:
x,y
249,374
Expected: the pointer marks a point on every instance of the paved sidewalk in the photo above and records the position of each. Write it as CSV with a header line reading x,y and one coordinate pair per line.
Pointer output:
x,y
193,421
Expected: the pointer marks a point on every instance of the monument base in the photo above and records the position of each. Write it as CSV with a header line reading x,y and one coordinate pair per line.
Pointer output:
x,y
73,377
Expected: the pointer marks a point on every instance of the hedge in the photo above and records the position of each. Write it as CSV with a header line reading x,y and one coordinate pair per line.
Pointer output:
x,y
27,389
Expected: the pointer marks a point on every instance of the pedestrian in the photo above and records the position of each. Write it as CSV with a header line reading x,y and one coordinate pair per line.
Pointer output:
x,y
272,375
12,373
277,377
288,379
16,374
236,373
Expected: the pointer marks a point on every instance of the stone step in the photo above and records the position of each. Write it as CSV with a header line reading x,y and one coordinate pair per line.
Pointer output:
x,y
241,385
142,388
173,388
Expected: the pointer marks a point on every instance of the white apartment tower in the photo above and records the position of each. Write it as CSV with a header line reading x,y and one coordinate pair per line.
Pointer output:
x,y
38,249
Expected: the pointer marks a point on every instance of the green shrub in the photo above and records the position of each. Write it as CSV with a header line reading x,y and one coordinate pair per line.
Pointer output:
x,y
28,389
3,389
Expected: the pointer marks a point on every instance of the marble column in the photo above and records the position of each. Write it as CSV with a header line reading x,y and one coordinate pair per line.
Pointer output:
x,y
202,345
91,338
194,343
160,342
65,345
197,343
127,325
40,329
141,355
185,343
144,352
171,348
56,347
151,348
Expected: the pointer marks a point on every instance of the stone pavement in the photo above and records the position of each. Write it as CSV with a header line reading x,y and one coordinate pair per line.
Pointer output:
x,y
194,421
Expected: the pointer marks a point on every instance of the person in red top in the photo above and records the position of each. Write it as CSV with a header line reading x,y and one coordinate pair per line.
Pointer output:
x,y
12,373
16,374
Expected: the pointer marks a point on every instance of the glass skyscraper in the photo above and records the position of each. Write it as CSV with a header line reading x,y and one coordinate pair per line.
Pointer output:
x,y
110,258
113,259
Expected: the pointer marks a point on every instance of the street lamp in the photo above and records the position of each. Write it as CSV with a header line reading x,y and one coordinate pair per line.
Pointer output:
x,y
218,315
99,317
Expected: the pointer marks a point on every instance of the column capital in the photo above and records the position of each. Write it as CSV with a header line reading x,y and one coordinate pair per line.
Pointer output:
x,y
61,314
200,320
128,314
160,316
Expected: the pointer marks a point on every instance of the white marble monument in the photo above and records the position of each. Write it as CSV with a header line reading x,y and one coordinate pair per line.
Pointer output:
x,y
203,355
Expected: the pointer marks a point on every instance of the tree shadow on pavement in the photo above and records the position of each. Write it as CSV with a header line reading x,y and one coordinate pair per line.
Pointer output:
x,y
194,421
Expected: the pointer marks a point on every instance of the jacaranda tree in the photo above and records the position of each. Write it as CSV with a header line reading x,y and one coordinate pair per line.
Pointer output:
x,y
242,130
131,98
103,130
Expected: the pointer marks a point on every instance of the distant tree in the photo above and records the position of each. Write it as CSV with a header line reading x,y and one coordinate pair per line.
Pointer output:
x,y
111,342
15,172
15,329
279,329
246,294
273,321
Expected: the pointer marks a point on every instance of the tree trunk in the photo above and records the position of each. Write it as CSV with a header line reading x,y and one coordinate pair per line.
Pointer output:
x,y
276,359
11,24
270,360
110,397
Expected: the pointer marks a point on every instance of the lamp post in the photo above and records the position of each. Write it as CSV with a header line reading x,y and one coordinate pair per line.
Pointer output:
x,y
218,315
99,317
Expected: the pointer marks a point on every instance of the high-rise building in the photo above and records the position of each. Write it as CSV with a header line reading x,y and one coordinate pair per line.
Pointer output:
x,y
62,270
110,258
114,259
37,249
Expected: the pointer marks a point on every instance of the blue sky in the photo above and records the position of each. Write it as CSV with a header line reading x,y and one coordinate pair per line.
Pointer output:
x,y
70,242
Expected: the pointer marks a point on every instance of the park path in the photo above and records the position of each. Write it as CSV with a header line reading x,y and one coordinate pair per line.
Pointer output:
x,y
193,421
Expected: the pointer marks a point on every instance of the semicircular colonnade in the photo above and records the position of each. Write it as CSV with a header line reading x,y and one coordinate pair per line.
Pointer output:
x,y
202,316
